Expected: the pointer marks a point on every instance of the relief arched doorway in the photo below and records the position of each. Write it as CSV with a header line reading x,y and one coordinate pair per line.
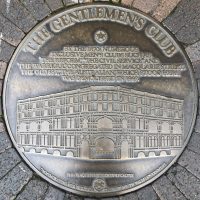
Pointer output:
x,y
84,149
124,150
105,148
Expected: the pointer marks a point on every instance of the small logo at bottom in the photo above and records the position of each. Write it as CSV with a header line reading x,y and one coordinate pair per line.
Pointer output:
x,y
99,184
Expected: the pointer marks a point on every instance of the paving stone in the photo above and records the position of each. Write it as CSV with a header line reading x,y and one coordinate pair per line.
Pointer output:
x,y
130,196
184,21
8,160
116,1
90,198
3,67
72,197
109,198
93,198
14,181
17,14
34,190
54,194
38,8
127,2
10,32
70,2
197,128
194,143
164,8
197,123
166,190
191,161
146,6
193,52
1,88
1,109
182,15
5,142
147,193
2,128
196,68
190,32
186,182
54,4
103,0
85,1
6,51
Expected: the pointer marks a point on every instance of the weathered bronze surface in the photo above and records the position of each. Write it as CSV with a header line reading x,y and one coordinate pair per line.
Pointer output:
x,y
99,100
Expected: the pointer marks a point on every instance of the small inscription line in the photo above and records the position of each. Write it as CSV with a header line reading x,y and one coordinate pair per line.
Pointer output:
x,y
99,175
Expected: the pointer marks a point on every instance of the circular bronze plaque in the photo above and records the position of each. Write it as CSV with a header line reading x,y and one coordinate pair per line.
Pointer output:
x,y
99,100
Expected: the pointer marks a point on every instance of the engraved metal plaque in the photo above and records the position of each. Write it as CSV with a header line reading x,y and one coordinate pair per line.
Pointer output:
x,y
99,100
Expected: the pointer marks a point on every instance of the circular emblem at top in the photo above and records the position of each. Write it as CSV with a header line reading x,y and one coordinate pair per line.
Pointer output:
x,y
99,100
100,36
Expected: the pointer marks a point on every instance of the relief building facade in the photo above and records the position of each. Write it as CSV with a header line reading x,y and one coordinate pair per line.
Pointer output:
x,y
101,122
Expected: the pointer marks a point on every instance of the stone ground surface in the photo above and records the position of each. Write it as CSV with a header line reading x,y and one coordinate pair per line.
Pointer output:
x,y
18,181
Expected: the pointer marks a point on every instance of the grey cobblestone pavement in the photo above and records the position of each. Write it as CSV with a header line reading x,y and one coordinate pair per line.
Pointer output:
x,y
38,8
17,14
17,181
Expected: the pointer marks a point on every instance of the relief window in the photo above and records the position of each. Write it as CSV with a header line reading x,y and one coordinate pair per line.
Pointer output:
x,y
115,106
94,97
71,100
76,99
105,107
115,97
45,103
143,101
62,101
105,96
85,97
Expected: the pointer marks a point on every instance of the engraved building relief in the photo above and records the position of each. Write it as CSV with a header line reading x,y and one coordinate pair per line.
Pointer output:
x,y
101,122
